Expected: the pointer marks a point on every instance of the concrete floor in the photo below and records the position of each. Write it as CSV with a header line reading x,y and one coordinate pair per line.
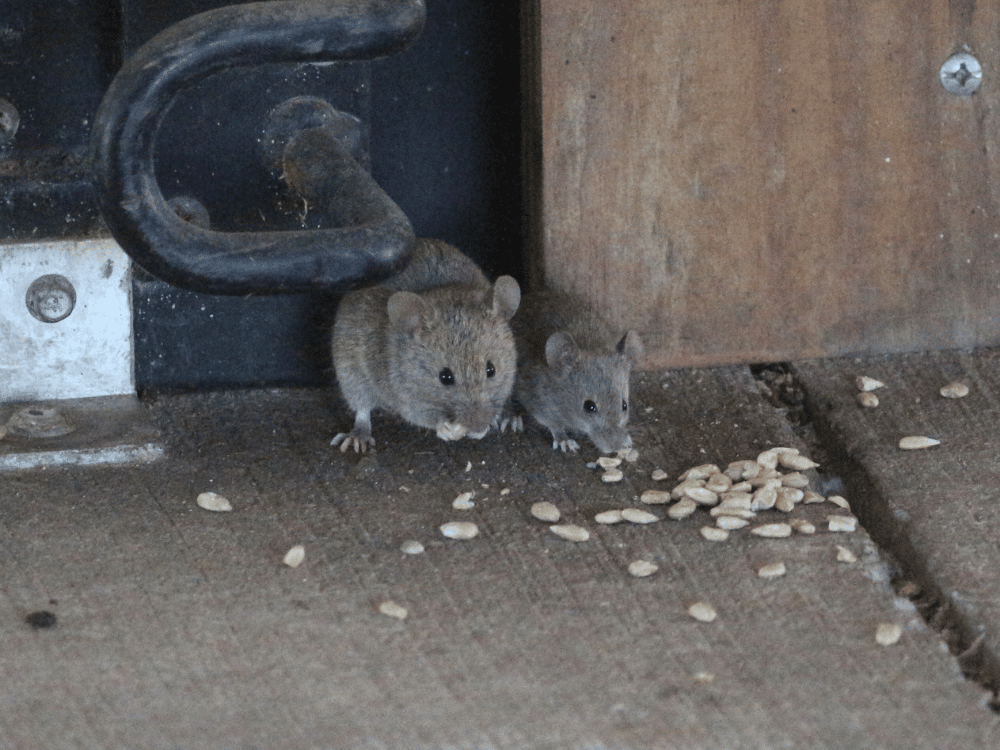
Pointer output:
x,y
177,627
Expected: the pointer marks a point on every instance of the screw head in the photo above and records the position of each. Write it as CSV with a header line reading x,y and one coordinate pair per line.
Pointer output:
x,y
50,298
961,74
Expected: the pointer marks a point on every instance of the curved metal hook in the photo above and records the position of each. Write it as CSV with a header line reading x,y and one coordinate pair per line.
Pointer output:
x,y
246,262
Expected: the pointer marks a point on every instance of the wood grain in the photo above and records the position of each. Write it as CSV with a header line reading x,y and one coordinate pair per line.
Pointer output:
x,y
766,181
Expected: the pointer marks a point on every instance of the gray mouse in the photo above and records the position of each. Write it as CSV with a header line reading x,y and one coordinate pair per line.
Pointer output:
x,y
573,374
432,345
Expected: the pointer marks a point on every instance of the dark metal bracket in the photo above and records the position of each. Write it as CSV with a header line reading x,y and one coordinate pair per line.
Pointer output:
x,y
374,236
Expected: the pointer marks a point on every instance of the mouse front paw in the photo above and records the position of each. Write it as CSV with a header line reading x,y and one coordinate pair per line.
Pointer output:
x,y
359,442
562,441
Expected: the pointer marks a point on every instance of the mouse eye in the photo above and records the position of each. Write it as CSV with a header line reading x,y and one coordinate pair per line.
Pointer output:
x,y
624,405
490,369
446,376
590,406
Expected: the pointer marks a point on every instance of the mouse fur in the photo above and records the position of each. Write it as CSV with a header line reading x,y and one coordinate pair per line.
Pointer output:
x,y
574,372
432,345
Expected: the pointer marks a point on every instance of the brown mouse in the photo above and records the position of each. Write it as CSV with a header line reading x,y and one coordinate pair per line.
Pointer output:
x,y
432,345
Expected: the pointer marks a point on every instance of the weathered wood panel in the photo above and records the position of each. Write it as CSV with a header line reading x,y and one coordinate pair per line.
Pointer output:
x,y
771,180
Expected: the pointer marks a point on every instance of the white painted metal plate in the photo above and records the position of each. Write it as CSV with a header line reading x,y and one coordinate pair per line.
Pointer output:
x,y
89,353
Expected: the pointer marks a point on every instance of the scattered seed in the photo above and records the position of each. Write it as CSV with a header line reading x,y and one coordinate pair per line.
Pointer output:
x,y
468,466
775,530
393,610
607,462
845,555
839,502
741,500
571,532
545,511
866,383
629,454
772,570
459,529
295,556
916,442
743,486
681,489
704,471
411,547
812,497
463,501
702,611
719,511
802,526
655,497
714,534
955,390
701,495
796,462
612,475
642,568
791,494
795,479
768,459
764,498
637,515
682,508
867,399
887,633
730,523
212,501
658,475
842,523
718,483
505,491
609,517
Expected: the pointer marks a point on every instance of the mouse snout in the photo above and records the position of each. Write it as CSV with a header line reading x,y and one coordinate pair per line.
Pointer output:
x,y
611,439
476,419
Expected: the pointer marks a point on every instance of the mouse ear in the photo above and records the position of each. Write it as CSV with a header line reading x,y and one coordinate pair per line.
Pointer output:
x,y
506,297
406,312
631,347
560,351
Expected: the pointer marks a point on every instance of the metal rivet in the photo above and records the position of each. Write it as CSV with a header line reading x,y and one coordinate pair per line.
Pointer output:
x,y
50,298
39,422
9,121
961,74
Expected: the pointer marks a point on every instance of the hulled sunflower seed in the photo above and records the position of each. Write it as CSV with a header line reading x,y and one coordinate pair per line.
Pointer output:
x,y
609,517
735,500
774,530
867,399
718,483
796,462
704,471
812,497
463,501
955,390
545,511
845,555
214,502
459,529
682,508
772,570
642,568
411,547
570,532
916,442
839,502
887,633
730,523
768,459
294,557
637,515
655,497
764,498
702,495
713,533
658,475
612,475
702,611
802,526
718,512
795,479
607,462
866,383
392,609
842,523
629,454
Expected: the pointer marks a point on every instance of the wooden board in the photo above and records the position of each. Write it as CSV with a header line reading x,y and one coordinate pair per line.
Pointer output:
x,y
767,181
